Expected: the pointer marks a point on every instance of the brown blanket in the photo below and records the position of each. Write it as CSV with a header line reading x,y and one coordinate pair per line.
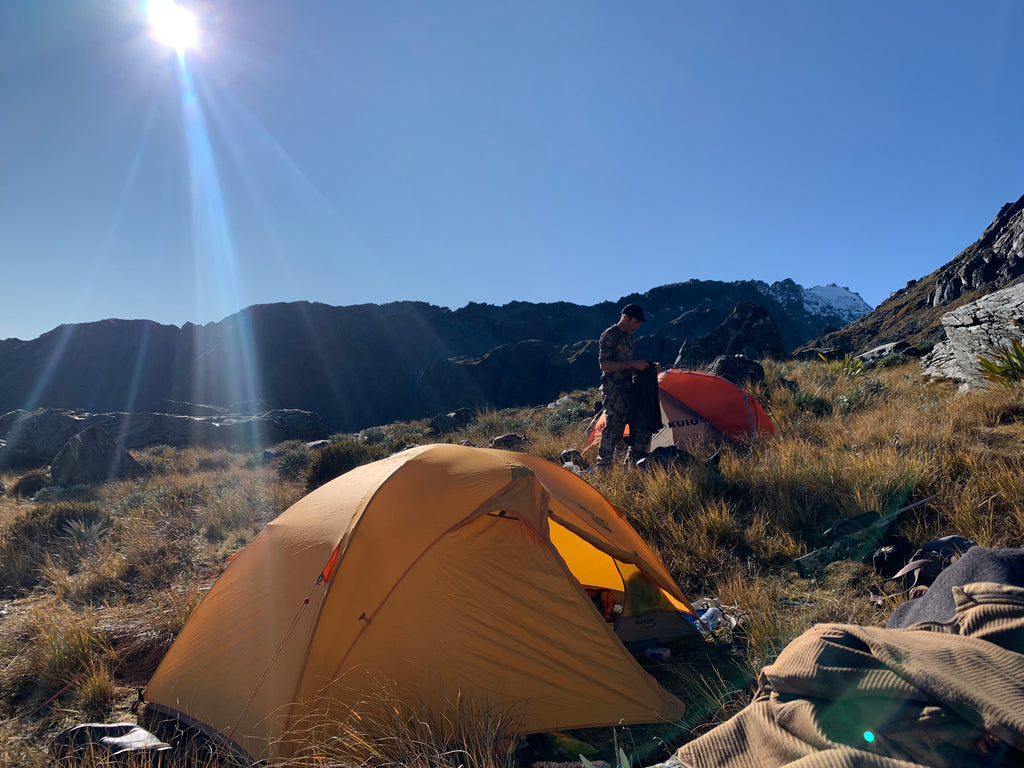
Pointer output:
x,y
938,694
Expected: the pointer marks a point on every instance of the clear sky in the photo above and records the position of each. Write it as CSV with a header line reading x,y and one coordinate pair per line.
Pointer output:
x,y
450,151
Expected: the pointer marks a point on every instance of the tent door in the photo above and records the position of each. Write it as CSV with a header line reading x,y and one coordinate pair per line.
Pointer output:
x,y
638,633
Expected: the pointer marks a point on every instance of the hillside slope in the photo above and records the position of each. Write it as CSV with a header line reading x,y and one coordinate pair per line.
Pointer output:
x,y
913,313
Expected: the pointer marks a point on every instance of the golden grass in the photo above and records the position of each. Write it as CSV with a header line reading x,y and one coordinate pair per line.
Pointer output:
x,y
385,731
98,608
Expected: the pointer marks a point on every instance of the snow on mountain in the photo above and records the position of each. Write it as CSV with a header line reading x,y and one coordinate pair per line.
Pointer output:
x,y
833,298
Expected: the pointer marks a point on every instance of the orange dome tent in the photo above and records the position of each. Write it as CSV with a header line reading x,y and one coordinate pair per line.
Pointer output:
x,y
452,573
700,407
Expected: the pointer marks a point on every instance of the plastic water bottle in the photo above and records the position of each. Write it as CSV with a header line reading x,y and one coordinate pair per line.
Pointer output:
x,y
709,619
574,468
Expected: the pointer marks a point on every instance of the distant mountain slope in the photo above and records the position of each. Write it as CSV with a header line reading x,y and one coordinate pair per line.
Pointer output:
x,y
913,313
370,364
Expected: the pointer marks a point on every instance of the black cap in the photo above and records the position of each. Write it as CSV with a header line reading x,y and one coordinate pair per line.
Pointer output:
x,y
634,311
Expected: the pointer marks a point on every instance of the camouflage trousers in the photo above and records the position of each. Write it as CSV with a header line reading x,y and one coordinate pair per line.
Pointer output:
x,y
617,415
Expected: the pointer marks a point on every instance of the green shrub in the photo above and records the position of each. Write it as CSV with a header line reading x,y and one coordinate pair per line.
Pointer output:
x,y
808,403
860,396
48,523
848,366
891,360
374,435
1004,367
567,416
293,462
28,485
336,459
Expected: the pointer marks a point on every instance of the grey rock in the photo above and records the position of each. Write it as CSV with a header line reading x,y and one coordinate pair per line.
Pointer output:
x,y
884,350
737,369
463,416
444,423
297,424
35,437
976,329
509,442
90,457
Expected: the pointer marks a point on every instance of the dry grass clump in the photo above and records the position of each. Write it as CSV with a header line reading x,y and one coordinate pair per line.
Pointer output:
x,y
96,582
384,731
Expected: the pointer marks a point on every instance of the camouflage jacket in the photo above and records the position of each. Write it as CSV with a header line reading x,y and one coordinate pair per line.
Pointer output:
x,y
616,346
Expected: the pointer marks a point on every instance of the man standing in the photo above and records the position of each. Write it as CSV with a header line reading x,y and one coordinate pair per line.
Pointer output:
x,y
615,356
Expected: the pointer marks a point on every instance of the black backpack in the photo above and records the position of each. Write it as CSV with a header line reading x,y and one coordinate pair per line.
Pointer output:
x,y
891,555
929,561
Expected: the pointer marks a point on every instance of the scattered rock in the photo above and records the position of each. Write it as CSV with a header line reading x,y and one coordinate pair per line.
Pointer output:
x,y
463,416
894,348
444,423
90,457
509,442
737,369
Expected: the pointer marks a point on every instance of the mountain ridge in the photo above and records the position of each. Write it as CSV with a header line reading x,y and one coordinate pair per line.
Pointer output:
x,y
369,364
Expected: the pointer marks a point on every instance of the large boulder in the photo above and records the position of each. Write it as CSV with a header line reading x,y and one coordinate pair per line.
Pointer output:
x,y
90,457
34,437
976,329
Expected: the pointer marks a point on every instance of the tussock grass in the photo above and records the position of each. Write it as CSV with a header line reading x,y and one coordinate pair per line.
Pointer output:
x,y
383,731
96,582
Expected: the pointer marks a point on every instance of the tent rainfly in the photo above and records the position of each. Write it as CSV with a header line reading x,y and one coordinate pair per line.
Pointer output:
x,y
698,407
447,572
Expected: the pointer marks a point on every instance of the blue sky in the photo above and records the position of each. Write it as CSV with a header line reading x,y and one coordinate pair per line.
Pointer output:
x,y
454,151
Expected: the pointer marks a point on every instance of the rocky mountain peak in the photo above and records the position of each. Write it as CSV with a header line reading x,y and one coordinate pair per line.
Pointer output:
x,y
995,260
913,314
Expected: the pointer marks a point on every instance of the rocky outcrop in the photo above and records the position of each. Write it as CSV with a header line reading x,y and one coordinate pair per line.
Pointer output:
x,y
914,313
749,331
996,259
36,437
180,408
976,329
92,456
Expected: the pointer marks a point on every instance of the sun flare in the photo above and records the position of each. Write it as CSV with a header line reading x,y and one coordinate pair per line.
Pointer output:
x,y
172,25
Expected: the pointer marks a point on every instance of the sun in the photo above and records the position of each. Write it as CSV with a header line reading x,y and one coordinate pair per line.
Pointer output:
x,y
172,25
